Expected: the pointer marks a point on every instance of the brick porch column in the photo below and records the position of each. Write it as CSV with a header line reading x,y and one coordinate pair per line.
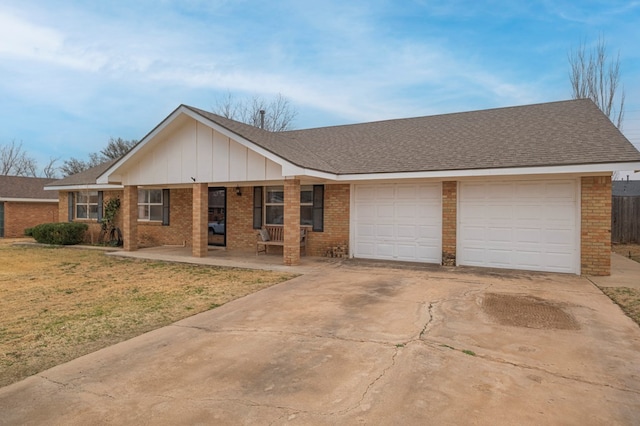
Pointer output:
x,y
595,241
200,210
449,222
291,250
130,218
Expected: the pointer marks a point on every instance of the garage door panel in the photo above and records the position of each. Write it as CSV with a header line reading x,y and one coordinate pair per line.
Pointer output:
x,y
407,224
536,221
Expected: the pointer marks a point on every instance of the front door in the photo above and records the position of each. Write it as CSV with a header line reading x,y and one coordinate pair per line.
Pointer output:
x,y
217,217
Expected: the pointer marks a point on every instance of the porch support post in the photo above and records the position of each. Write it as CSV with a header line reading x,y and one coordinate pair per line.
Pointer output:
x,y
200,210
291,221
130,218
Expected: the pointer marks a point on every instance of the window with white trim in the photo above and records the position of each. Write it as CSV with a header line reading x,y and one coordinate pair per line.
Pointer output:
x,y
86,205
150,204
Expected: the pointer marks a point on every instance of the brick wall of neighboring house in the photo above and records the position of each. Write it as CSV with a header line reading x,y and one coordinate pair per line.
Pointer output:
x,y
19,216
449,222
595,247
179,230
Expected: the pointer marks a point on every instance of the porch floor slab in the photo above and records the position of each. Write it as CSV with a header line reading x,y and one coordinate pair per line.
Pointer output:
x,y
228,258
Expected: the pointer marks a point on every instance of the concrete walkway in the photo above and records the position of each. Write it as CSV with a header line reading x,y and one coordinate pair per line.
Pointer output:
x,y
354,344
624,273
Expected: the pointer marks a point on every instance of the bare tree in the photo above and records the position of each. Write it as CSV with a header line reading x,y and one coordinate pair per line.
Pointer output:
x,y
278,113
14,161
115,148
50,170
595,76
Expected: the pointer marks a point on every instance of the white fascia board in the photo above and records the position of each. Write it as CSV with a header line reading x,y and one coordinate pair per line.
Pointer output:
x,y
83,187
28,200
448,174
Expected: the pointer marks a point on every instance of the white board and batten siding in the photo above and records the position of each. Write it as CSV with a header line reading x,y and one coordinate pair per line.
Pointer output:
x,y
193,149
398,222
529,225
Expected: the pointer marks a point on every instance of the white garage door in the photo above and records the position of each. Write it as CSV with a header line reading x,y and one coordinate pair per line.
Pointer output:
x,y
519,225
398,222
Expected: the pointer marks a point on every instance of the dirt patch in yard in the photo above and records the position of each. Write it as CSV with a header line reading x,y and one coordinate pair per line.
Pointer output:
x,y
57,304
527,311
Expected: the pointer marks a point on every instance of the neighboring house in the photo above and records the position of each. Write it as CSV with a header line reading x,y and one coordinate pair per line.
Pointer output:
x,y
24,203
523,187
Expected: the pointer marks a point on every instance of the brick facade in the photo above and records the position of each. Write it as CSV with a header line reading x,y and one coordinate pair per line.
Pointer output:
x,y
595,221
291,250
449,222
200,214
595,238
19,216
129,209
239,220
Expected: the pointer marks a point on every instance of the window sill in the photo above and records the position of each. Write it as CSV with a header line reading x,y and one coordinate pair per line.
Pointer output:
x,y
149,222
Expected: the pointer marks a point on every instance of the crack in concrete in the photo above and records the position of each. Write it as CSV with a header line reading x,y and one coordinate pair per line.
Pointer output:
x,y
76,387
439,345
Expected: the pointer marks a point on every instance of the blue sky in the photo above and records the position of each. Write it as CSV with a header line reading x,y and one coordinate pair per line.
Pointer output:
x,y
74,73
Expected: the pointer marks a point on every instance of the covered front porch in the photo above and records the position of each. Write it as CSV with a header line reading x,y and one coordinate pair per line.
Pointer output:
x,y
187,213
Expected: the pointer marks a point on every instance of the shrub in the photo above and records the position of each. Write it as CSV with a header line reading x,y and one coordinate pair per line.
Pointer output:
x,y
63,233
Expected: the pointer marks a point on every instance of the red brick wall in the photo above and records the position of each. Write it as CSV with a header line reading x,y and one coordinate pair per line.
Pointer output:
x,y
449,222
336,220
595,247
239,220
179,231
19,216
242,236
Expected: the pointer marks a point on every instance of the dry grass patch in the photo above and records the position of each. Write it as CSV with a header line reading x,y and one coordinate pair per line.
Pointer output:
x,y
627,298
57,304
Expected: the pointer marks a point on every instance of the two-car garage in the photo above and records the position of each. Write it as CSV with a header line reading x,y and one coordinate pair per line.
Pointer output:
x,y
530,225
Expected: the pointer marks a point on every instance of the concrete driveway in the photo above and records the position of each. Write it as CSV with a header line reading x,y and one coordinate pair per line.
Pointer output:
x,y
357,344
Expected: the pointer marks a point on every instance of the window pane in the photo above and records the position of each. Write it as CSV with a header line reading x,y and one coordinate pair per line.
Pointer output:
x,y
275,194
275,215
81,211
93,197
155,196
143,196
93,211
155,212
306,194
81,197
306,215
143,212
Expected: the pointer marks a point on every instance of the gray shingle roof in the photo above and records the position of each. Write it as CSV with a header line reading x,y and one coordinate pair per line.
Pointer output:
x,y
86,177
26,188
549,134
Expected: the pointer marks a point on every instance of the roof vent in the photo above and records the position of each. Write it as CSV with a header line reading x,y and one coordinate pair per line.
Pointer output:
x,y
262,118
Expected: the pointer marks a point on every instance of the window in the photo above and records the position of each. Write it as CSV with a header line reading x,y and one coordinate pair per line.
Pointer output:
x,y
86,205
274,205
306,205
311,206
150,204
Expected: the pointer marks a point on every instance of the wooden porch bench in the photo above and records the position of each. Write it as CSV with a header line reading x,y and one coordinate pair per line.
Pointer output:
x,y
276,238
